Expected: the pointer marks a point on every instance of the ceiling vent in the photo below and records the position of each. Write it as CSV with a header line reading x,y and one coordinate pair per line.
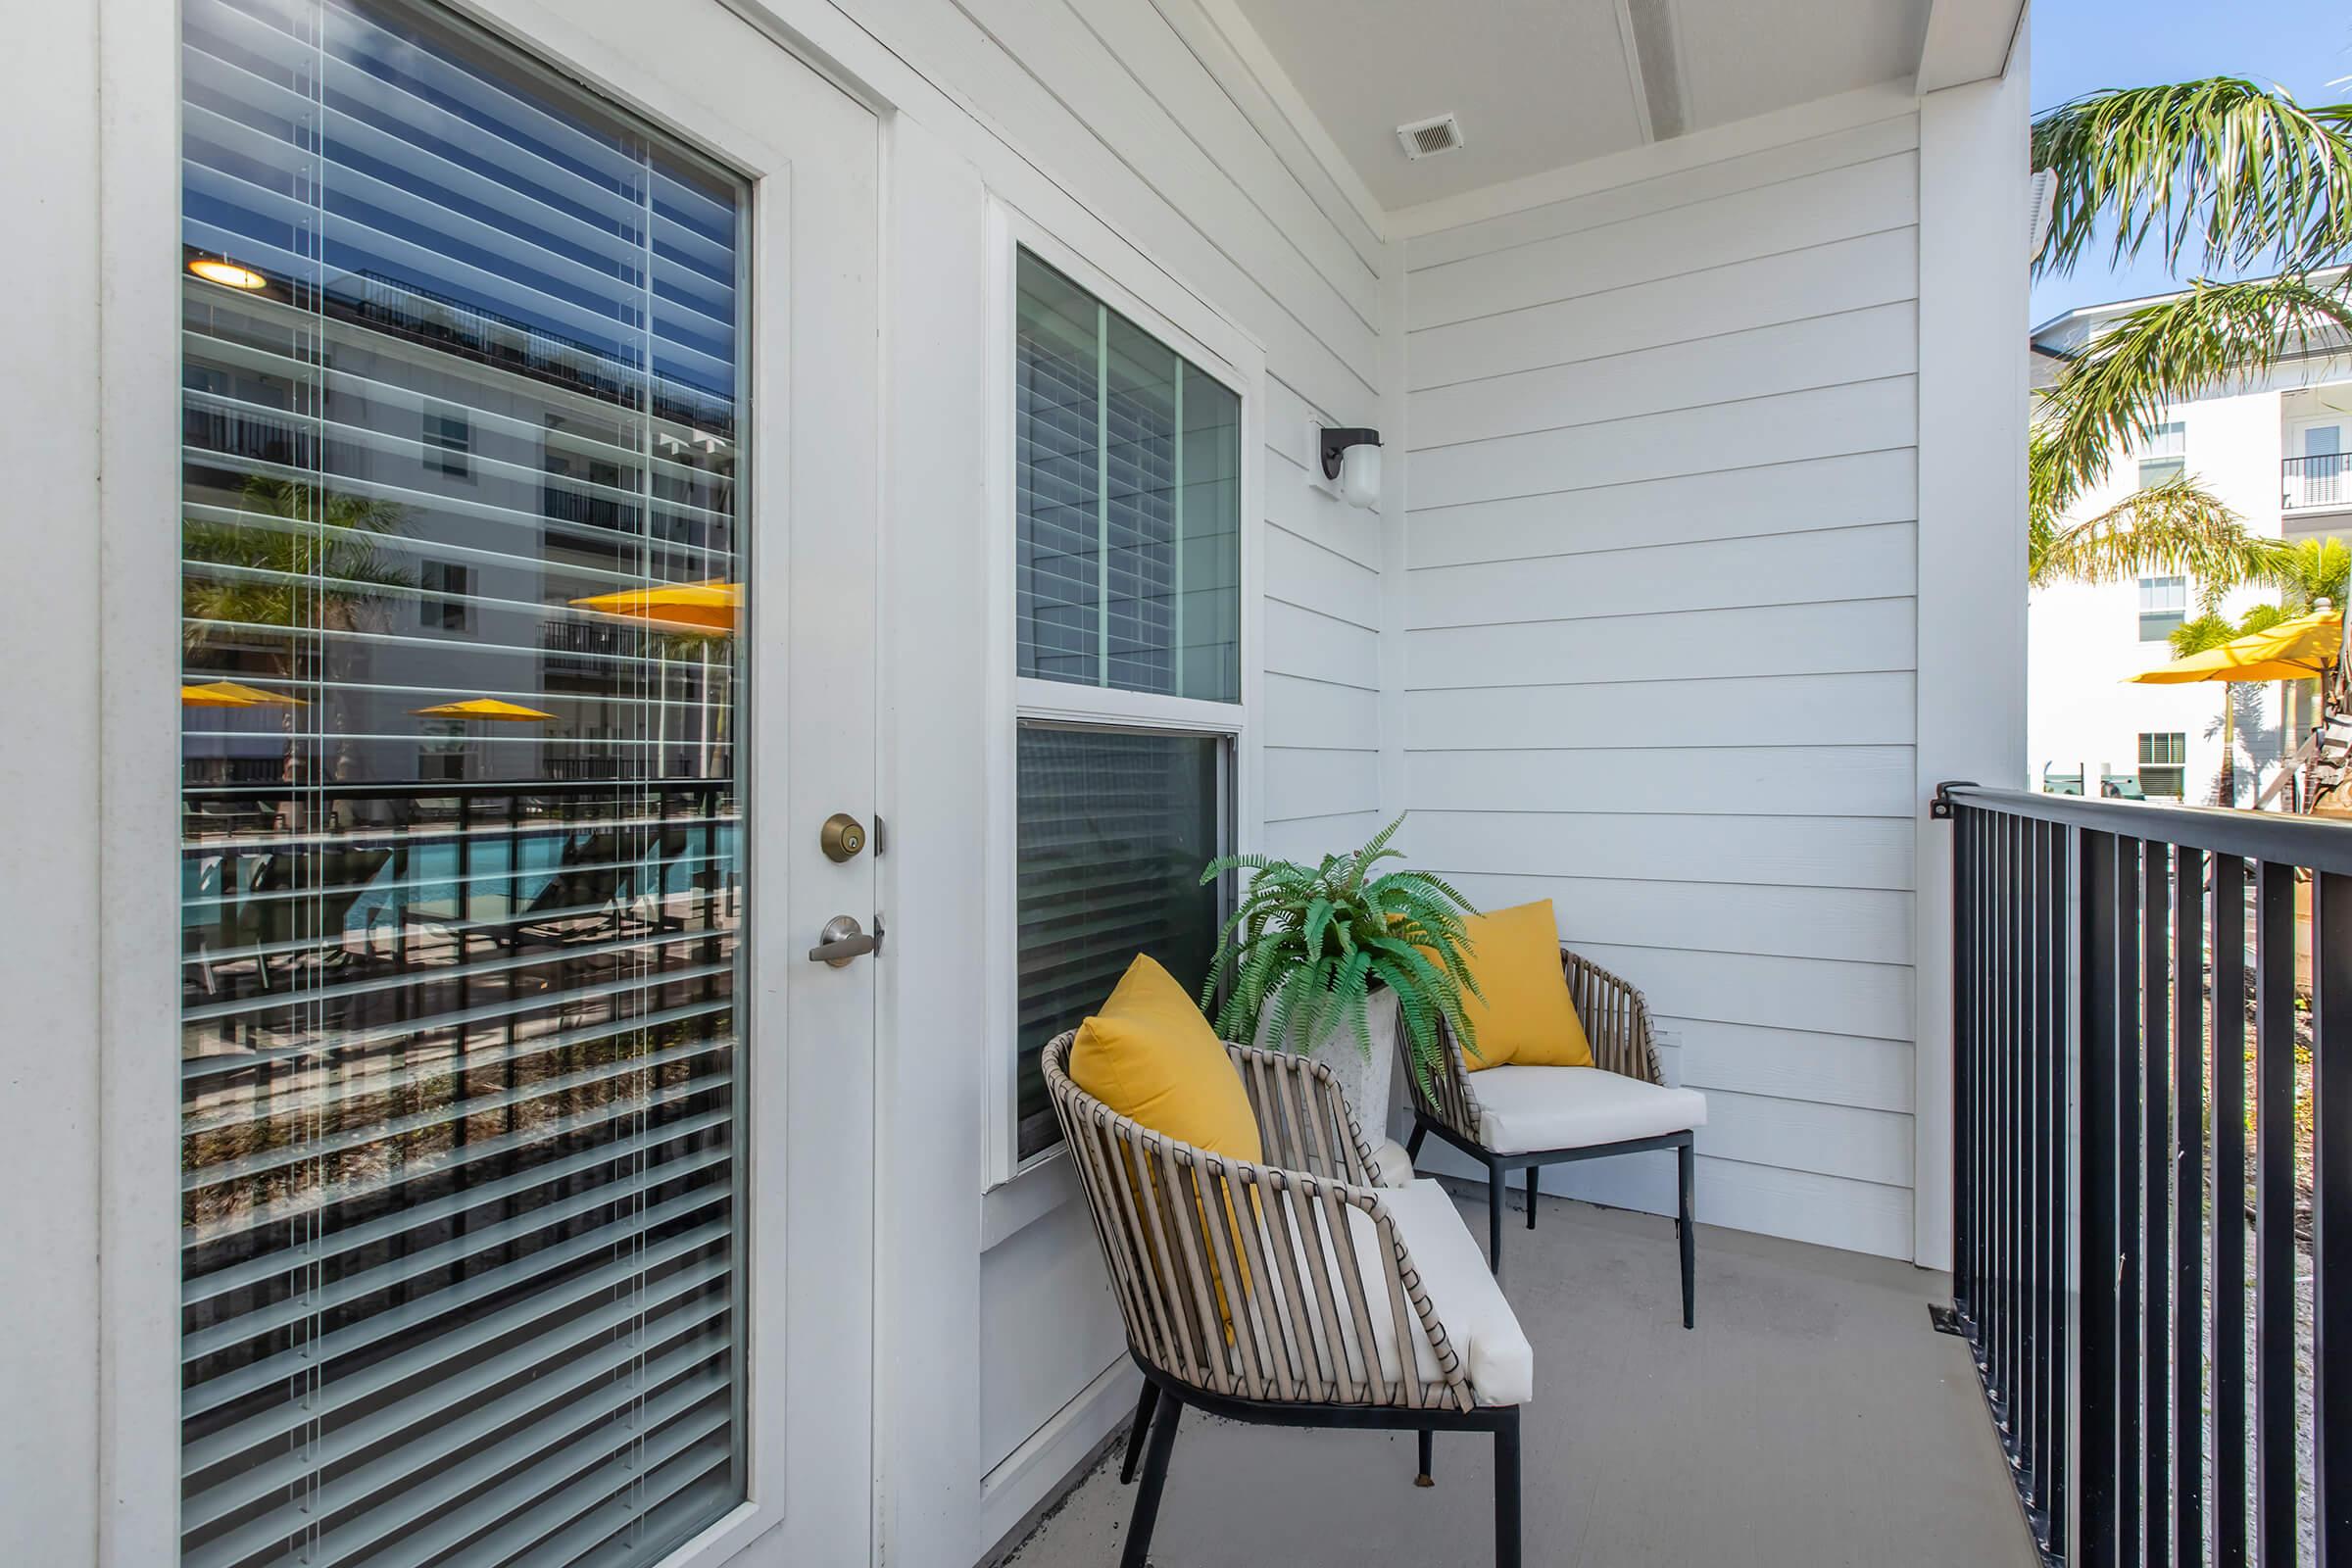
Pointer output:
x,y
1425,138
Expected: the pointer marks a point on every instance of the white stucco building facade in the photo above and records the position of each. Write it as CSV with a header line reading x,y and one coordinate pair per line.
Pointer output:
x,y
2269,449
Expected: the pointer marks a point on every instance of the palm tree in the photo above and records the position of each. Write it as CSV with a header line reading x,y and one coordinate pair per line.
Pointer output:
x,y
2222,174
294,557
2210,630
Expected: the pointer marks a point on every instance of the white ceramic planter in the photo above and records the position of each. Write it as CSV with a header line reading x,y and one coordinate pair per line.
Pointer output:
x,y
1364,1081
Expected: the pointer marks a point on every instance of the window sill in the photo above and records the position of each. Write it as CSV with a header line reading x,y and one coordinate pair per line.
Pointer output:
x,y
1012,1206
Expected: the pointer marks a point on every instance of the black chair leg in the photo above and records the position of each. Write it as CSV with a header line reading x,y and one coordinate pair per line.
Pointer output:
x,y
1532,1188
1506,1492
1428,1440
1414,1143
1155,1478
1685,1159
1494,1220
1142,1429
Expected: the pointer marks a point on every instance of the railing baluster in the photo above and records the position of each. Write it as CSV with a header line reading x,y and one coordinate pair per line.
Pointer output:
x,y
2274,1215
2156,1172
1965,1135
2332,1209
2051,1472
2188,1210
2131,1324
2012,1052
2029,1162
2099,1265
2229,1511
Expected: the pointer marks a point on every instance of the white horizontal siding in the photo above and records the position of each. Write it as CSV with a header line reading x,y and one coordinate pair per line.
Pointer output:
x,y
1781,639
1838,492
1721,848
1660,635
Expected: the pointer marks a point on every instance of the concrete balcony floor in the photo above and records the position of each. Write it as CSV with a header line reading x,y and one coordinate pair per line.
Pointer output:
x,y
1812,1419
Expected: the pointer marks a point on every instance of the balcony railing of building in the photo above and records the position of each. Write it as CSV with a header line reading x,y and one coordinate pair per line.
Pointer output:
x,y
2322,480
2154,1248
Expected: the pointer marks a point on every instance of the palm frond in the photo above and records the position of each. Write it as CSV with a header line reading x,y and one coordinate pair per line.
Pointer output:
x,y
2117,390
2176,526
2220,171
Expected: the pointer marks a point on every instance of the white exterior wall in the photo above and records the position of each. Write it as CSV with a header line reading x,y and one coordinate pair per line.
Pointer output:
x,y
1662,625
2085,639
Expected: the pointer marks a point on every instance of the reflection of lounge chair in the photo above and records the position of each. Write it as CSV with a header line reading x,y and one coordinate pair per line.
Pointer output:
x,y
325,882
582,901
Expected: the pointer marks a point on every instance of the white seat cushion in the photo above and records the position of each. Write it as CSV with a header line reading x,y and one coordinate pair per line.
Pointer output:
x,y
1524,1110
1477,1321
1396,1166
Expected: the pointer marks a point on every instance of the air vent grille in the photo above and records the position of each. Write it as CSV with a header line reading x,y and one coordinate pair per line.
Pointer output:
x,y
1424,138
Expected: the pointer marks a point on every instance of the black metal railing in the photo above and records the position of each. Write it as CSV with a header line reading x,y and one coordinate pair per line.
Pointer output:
x,y
2129,1239
2321,481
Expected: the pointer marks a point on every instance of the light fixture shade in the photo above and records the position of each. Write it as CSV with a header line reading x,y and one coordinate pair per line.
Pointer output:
x,y
1359,476
227,274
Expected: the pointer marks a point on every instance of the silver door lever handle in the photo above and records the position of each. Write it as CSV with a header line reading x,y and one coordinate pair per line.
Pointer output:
x,y
843,938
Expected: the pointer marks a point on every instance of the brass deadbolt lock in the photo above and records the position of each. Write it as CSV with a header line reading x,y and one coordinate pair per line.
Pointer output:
x,y
843,837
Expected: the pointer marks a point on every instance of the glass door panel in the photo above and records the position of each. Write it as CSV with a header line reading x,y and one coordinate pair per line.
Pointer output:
x,y
461,871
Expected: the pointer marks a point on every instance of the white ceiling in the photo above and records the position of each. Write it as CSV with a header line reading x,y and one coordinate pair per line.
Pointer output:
x,y
1540,83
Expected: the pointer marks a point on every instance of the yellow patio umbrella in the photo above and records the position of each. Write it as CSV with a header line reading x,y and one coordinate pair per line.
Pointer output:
x,y
489,708
2295,648
697,608
2292,650
235,694
685,607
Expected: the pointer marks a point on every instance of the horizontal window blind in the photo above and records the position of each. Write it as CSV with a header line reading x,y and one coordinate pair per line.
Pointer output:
x,y
461,876
1128,510
1114,829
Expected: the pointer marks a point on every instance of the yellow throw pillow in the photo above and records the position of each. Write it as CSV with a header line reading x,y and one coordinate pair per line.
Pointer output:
x,y
1524,1013
1151,1055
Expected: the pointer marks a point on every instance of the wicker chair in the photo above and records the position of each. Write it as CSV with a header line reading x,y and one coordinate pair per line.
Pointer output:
x,y
1533,1116
1297,1292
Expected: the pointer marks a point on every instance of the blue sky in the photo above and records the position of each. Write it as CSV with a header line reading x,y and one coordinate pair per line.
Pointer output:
x,y
2082,45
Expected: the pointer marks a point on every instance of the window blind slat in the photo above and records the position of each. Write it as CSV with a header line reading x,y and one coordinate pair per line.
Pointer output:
x,y
409,1264
583,1351
419,1216
627,1286
427,1311
420,1494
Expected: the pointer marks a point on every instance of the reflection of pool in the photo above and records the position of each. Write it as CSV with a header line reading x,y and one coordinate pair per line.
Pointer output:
x,y
386,881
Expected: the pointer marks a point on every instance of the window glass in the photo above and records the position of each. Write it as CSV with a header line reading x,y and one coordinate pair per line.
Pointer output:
x,y
460,874
2163,763
2162,457
1128,501
2163,606
1114,829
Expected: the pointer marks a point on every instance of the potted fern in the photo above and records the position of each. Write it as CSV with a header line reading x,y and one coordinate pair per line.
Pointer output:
x,y
1336,959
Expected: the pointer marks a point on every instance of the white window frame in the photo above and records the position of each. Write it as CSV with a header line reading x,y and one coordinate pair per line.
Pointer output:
x,y
2145,609
2167,442
1150,297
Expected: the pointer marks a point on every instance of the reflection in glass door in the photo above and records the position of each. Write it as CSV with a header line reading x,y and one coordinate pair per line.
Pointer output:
x,y
461,876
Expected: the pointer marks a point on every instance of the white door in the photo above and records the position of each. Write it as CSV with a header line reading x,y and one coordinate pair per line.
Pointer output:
x,y
2323,465
529,442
